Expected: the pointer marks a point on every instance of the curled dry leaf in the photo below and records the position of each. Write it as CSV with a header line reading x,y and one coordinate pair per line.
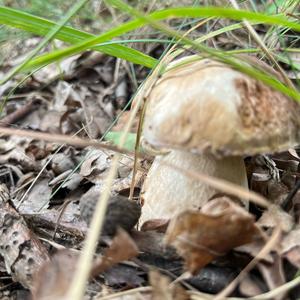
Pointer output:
x,y
220,226
159,225
96,166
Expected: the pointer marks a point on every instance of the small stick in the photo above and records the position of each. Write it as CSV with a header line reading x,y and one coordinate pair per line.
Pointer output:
x,y
19,114
65,139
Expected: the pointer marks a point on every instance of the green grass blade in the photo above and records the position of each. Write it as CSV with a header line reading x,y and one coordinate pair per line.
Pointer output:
x,y
40,26
181,12
257,73
49,36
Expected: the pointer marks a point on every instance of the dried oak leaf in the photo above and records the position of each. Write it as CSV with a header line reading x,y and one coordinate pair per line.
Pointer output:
x,y
220,226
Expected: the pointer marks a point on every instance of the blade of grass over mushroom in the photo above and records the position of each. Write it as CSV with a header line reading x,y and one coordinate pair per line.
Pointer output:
x,y
50,35
40,26
256,72
181,12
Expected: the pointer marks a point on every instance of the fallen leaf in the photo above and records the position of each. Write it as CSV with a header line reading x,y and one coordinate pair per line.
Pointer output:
x,y
159,225
115,137
220,226
96,165
54,278
38,198
122,248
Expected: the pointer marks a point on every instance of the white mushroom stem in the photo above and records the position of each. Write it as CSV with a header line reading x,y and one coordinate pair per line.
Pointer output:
x,y
166,192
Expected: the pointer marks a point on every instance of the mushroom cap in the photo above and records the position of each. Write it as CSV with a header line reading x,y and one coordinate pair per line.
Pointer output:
x,y
206,106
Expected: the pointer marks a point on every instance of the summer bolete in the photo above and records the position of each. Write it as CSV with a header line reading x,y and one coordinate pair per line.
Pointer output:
x,y
209,116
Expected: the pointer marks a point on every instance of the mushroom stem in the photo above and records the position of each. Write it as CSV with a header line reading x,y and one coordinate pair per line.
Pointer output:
x,y
166,192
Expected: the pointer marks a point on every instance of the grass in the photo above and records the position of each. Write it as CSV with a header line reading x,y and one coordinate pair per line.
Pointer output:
x,y
116,41
141,20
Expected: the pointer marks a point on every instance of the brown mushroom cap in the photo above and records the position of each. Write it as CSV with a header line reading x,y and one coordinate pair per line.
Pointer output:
x,y
206,106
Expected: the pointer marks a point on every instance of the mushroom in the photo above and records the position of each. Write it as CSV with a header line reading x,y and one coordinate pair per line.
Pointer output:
x,y
209,116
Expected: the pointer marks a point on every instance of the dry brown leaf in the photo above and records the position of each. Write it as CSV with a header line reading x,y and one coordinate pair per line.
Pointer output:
x,y
96,166
122,248
200,237
164,289
159,225
54,277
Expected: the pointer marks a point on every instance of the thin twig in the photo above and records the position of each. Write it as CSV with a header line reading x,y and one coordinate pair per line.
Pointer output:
x,y
65,139
142,289
19,114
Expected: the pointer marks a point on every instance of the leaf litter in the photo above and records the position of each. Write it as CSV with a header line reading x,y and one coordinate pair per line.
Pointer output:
x,y
194,253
